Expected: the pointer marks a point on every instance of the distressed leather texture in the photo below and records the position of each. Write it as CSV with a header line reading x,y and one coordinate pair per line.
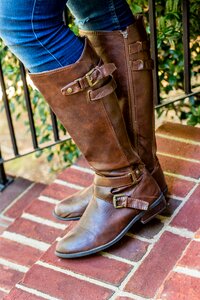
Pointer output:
x,y
130,52
99,130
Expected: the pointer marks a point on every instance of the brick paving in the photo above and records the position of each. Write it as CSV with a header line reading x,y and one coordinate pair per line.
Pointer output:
x,y
160,260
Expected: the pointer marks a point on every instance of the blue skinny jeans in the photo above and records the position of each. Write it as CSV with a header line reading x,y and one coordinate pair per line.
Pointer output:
x,y
35,32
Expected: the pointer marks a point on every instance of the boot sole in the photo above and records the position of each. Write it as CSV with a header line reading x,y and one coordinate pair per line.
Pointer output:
x,y
165,191
155,208
65,219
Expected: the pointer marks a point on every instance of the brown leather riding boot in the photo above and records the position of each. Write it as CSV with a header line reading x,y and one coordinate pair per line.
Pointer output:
x,y
83,97
129,51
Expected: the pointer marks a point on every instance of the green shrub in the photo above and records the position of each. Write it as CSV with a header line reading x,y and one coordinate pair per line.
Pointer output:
x,y
63,153
170,52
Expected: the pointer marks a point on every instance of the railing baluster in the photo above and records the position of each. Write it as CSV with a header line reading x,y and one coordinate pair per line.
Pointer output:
x,y
154,51
4,180
29,107
186,46
54,126
8,113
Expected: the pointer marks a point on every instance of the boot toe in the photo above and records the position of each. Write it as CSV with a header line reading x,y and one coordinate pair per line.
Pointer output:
x,y
74,244
68,211
62,210
73,207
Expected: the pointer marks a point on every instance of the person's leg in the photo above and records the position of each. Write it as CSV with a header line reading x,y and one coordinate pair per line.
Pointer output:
x,y
34,31
101,15
83,97
122,40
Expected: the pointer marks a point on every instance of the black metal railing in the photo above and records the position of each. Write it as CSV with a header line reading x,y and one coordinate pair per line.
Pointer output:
x,y
4,180
186,53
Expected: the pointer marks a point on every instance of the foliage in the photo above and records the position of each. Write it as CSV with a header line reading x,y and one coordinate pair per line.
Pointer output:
x,y
170,58
63,153
170,51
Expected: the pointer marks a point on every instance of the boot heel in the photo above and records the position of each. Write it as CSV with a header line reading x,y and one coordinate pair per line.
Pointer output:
x,y
152,212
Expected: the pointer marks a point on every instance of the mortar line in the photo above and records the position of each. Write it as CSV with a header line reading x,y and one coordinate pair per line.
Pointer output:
x,y
7,218
180,176
4,290
187,271
178,139
32,291
118,258
127,294
179,157
138,237
48,199
77,275
43,221
70,185
85,170
13,266
21,239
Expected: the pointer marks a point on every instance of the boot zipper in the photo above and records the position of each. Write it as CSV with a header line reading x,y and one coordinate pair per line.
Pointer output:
x,y
132,112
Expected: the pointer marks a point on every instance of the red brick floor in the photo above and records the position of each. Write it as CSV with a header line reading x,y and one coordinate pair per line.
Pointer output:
x,y
160,260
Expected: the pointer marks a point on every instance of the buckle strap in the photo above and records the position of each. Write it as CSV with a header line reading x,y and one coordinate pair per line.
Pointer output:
x,y
122,201
139,46
140,64
120,181
103,91
90,79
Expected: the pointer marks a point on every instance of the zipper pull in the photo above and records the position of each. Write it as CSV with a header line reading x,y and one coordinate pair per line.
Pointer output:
x,y
124,33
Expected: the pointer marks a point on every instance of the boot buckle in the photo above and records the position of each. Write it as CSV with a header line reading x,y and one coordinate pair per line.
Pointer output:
x,y
91,81
116,200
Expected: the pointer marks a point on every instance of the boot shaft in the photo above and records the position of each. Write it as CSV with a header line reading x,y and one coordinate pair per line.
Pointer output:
x,y
129,51
83,97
